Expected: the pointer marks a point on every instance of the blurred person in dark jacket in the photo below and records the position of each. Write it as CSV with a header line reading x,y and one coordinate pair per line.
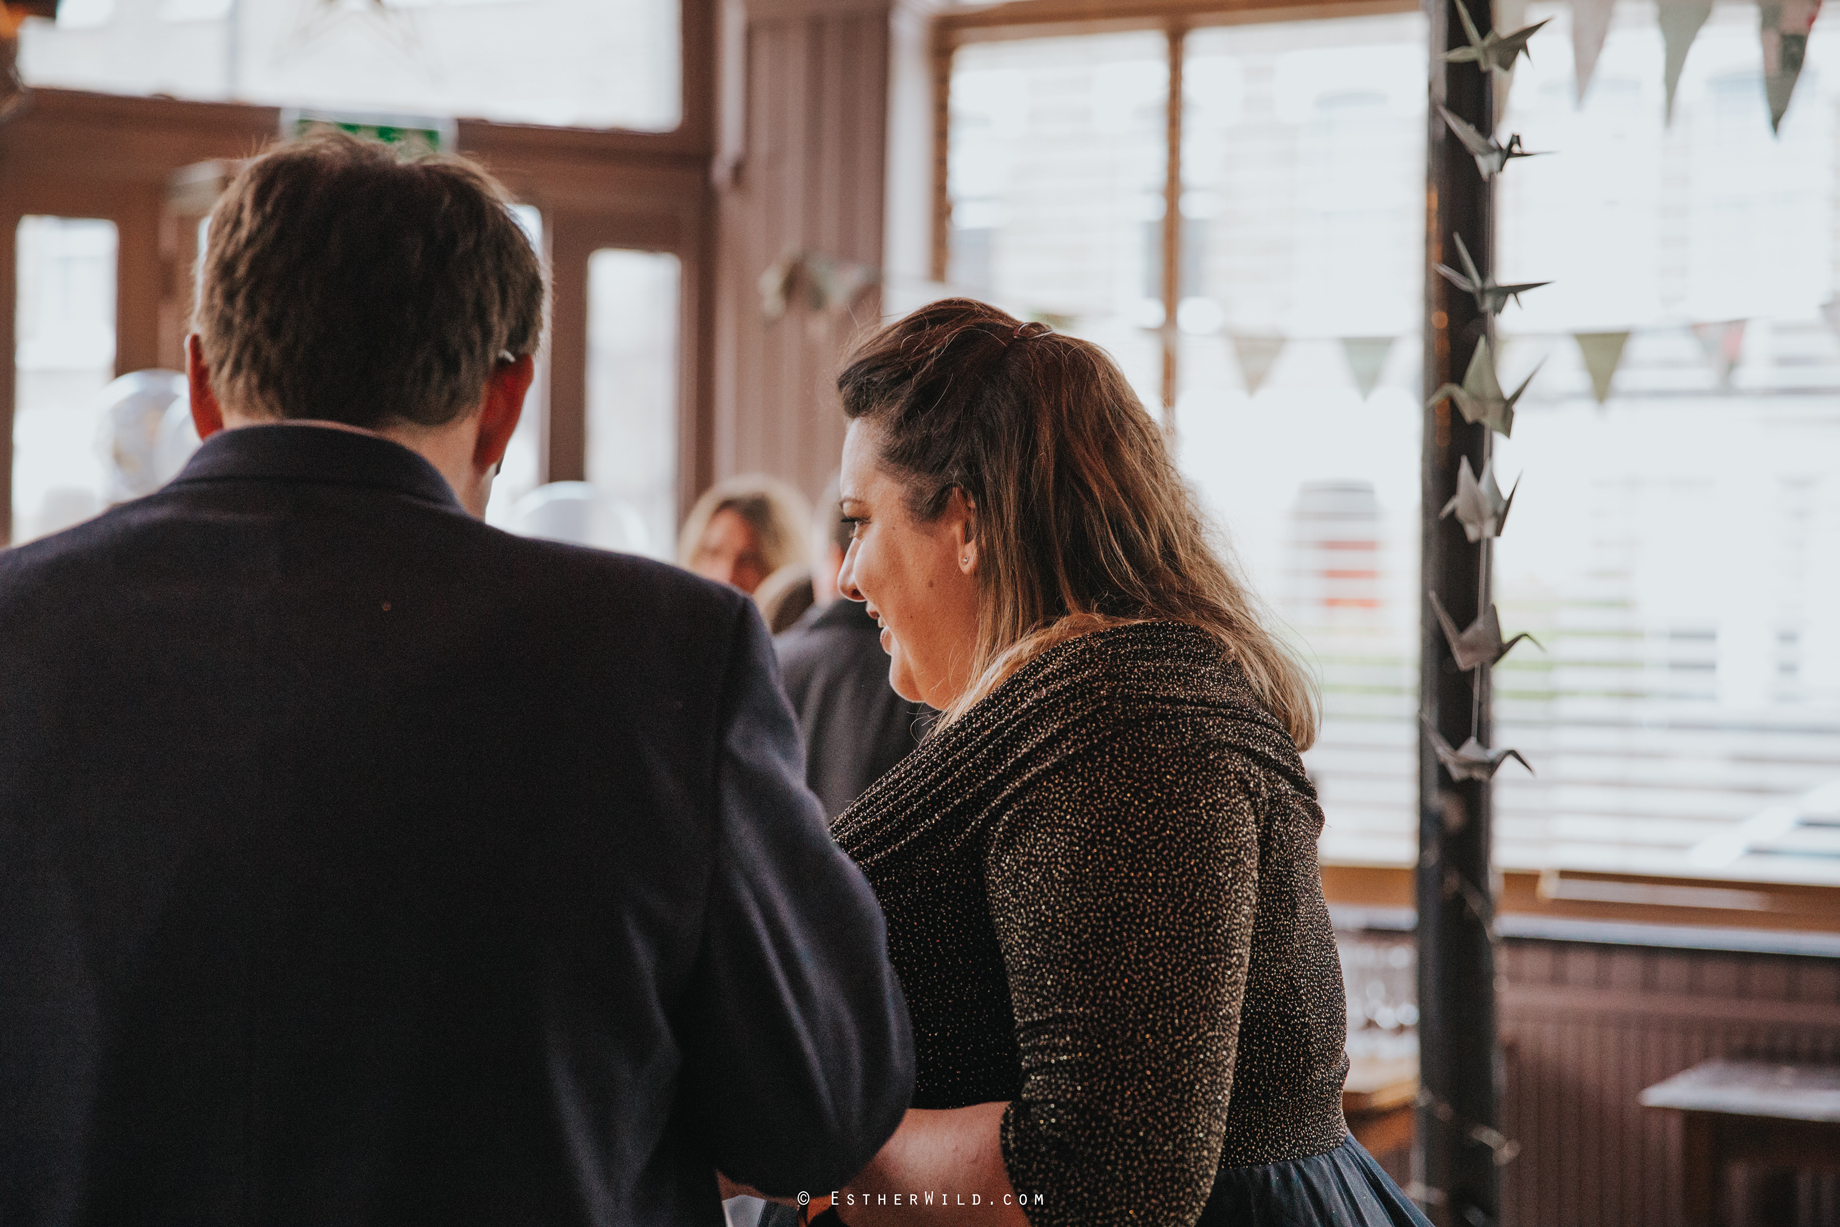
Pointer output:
x,y
855,727
363,865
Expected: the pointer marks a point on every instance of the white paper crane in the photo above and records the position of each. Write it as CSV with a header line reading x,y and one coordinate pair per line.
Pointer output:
x,y
1480,643
1490,296
1478,505
1479,397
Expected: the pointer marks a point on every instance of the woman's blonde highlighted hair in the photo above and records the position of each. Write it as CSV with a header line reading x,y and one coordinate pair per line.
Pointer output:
x,y
1082,520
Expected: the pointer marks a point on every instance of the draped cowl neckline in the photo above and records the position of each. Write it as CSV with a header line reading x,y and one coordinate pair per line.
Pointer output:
x,y
1047,711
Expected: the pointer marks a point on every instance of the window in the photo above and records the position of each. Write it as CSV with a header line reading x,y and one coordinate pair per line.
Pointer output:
x,y
628,500
1056,174
632,390
1302,189
583,63
64,358
1675,550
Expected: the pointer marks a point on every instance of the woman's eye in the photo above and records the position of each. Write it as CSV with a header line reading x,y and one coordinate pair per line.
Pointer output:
x,y
855,523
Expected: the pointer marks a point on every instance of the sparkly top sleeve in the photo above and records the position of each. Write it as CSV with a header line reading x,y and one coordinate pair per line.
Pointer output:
x,y
1123,892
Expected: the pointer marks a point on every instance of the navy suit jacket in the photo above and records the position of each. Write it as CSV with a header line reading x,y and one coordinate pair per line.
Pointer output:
x,y
856,728
363,864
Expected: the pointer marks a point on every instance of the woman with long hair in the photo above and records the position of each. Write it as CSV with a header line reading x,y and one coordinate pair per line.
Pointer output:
x,y
1099,870
745,529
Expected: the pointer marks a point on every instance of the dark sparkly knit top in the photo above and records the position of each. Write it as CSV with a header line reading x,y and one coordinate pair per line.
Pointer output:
x,y
1104,905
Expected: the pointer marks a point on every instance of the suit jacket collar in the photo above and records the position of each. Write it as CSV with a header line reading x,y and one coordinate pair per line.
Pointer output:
x,y
846,613
320,454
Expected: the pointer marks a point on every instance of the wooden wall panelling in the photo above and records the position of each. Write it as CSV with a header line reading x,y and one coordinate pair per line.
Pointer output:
x,y
696,465
178,276
809,178
140,277
565,426
1586,1028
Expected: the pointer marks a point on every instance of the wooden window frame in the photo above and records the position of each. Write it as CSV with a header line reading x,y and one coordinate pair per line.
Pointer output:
x,y
1605,897
74,153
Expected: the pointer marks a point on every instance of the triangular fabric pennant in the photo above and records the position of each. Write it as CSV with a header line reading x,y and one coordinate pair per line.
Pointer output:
x,y
1830,311
1680,25
1602,351
1723,344
1785,27
1256,355
1366,359
1590,26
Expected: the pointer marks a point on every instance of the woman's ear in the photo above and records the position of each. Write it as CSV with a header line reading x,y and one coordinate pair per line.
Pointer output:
x,y
962,512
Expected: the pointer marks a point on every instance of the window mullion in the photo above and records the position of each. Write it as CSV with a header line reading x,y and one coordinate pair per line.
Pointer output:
x,y
1172,224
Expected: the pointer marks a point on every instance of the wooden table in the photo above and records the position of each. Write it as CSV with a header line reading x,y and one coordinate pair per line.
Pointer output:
x,y
1380,1100
1780,1116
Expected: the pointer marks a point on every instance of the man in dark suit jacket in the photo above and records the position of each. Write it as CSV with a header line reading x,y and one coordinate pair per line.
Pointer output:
x,y
361,864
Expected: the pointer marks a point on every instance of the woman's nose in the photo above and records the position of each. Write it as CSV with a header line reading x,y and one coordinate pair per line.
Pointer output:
x,y
846,576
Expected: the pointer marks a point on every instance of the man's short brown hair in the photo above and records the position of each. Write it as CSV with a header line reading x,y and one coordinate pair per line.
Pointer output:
x,y
346,281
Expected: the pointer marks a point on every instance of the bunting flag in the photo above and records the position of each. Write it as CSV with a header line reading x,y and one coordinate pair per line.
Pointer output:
x,y
1830,311
1256,355
1785,27
1590,26
1366,358
1680,25
1602,352
1723,344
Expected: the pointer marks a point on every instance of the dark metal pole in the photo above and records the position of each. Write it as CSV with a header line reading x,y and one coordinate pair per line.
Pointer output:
x,y
1459,1068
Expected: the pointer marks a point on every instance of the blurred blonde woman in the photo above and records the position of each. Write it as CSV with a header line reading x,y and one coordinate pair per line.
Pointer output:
x,y
744,529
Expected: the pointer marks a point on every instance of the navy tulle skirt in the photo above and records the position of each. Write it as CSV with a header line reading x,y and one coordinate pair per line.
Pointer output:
x,y
1344,1187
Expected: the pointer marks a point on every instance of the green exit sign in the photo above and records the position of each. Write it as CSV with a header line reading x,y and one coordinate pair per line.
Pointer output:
x,y
412,131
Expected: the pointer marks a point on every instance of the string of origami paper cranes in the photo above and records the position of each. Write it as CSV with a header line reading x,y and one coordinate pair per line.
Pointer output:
x,y
1479,504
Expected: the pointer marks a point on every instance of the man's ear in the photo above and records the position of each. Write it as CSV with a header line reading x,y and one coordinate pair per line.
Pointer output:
x,y
506,388
207,414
